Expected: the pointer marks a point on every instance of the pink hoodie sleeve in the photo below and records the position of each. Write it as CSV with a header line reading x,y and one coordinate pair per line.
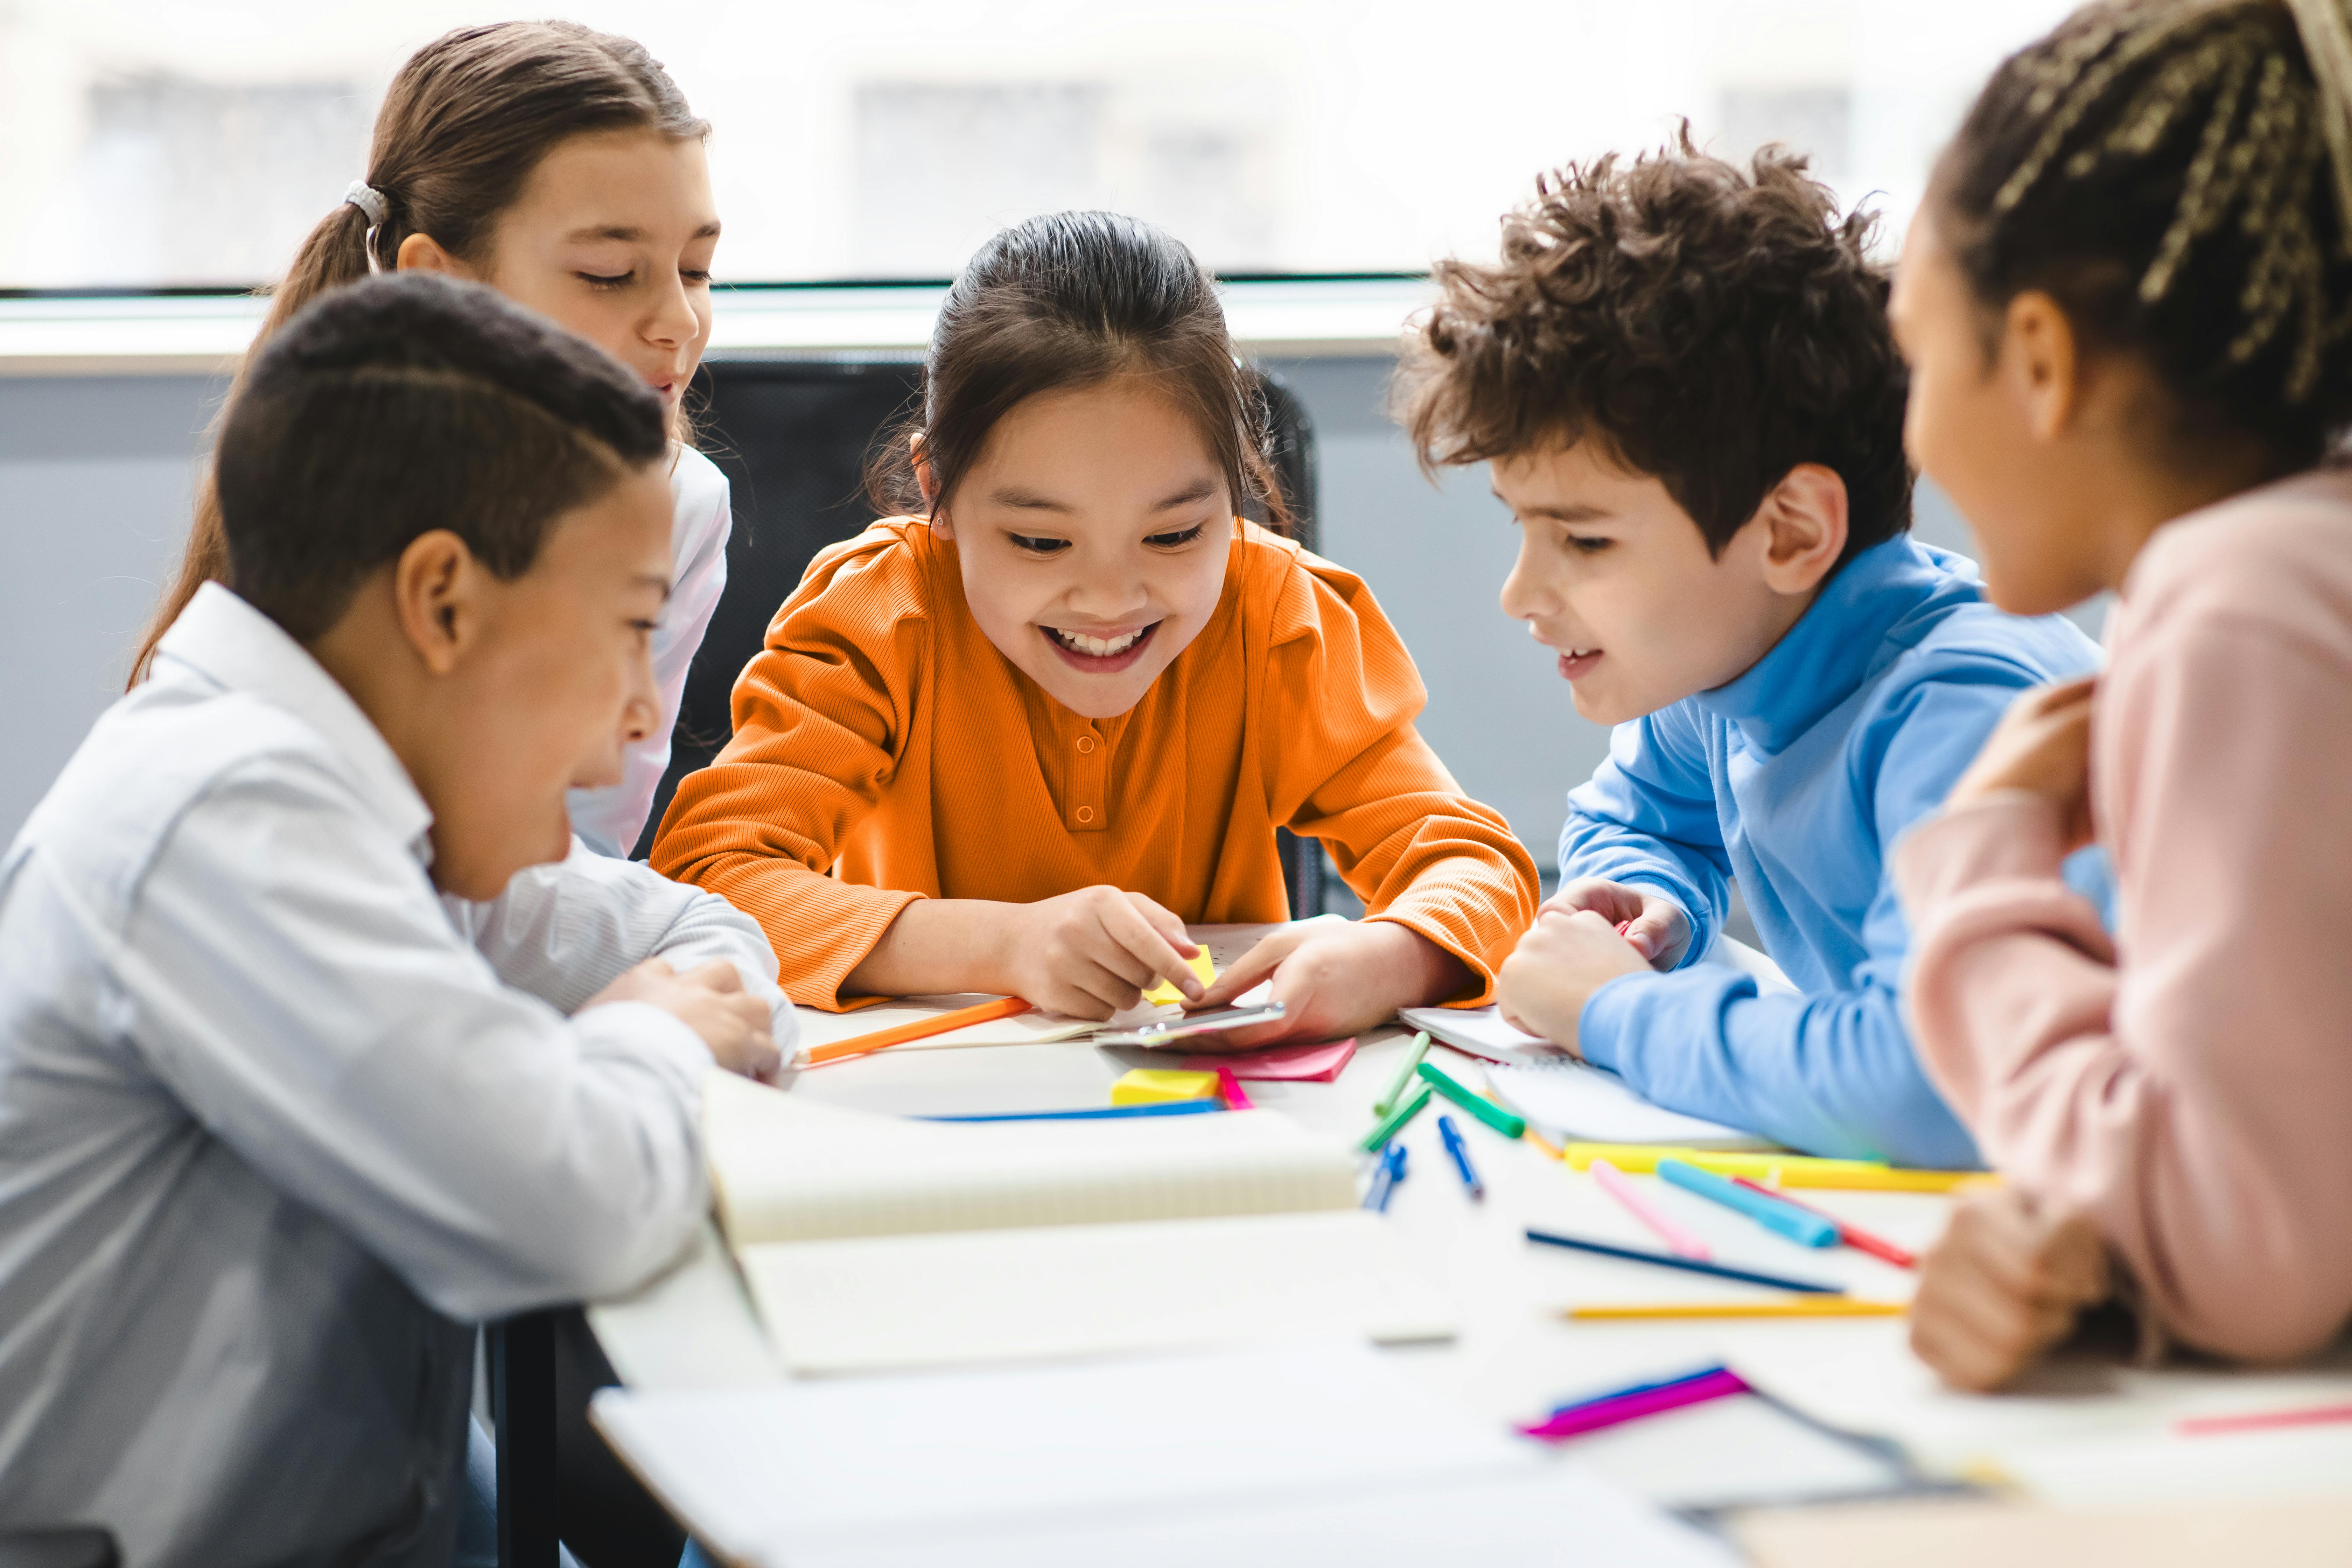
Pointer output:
x,y
2194,1095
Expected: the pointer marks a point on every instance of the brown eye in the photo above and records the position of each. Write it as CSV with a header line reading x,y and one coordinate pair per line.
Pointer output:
x,y
1171,541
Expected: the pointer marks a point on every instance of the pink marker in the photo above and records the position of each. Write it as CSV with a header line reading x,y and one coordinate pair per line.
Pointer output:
x,y
1230,1089
1624,926
1680,1242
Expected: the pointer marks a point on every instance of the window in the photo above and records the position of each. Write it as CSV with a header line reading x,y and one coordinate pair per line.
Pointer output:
x,y
160,143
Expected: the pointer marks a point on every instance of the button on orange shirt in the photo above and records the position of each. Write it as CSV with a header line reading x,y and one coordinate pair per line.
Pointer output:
x,y
884,750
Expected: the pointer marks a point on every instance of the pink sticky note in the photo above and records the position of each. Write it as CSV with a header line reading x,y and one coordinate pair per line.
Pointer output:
x,y
1303,1064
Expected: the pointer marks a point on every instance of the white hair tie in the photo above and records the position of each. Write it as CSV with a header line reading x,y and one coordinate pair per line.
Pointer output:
x,y
368,200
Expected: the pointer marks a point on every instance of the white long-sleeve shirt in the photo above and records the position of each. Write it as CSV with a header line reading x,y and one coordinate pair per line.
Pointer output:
x,y
610,820
276,1120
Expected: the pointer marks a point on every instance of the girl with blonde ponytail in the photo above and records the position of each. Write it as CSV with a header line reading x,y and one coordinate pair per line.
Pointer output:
x,y
562,167
2127,306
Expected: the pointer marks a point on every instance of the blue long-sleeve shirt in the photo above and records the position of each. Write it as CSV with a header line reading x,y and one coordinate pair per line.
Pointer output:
x,y
1796,778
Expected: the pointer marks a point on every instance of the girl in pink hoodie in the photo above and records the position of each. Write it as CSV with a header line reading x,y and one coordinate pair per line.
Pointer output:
x,y
2126,304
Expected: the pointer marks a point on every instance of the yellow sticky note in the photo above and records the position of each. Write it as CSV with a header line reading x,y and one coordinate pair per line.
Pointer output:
x,y
1165,995
1157,1085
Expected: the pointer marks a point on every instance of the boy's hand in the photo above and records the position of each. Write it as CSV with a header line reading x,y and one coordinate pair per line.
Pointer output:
x,y
1564,958
1091,952
710,1000
1335,979
2004,1284
2043,746
1660,932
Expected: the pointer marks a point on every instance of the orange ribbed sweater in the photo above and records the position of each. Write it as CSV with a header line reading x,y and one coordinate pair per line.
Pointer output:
x,y
881,738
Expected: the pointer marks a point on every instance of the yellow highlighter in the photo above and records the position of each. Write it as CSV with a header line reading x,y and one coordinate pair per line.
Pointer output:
x,y
1158,1086
1165,993
1786,1169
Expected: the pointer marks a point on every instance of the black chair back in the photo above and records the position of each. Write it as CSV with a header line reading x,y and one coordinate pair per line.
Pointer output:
x,y
792,438
64,1546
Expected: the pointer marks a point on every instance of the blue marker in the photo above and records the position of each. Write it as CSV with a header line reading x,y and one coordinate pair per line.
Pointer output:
x,y
1461,1152
1384,1179
1802,1226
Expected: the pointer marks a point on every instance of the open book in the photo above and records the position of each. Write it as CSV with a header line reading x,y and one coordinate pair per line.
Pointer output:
x,y
872,1241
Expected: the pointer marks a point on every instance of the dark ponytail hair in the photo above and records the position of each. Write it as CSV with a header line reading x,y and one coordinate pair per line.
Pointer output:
x,y
464,123
2165,170
1074,299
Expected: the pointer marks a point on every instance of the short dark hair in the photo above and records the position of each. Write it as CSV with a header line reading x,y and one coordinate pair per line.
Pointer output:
x,y
1077,299
405,404
2087,169
1714,326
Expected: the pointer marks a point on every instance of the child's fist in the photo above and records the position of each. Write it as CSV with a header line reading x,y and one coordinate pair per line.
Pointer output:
x,y
1564,958
2005,1283
1091,952
710,1000
1658,929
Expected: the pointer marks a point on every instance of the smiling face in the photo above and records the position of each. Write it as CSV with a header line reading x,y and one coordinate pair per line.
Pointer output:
x,y
1092,532
1614,575
612,238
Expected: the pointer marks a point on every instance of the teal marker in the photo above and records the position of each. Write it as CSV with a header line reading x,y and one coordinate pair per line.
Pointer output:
x,y
1802,1226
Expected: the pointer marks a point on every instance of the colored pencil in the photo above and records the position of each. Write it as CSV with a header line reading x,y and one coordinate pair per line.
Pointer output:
x,y
2263,1420
1800,1225
916,1029
1788,1170
1854,1235
1812,1307
1566,1405
1388,1101
1478,1105
1717,1385
1668,1260
1096,1113
1680,1242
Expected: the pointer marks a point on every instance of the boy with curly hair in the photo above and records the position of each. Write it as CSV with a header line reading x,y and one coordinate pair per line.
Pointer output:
x,y
1682,376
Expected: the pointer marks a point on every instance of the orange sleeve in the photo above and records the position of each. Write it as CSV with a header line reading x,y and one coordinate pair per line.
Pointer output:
x,y
820,719
1347,767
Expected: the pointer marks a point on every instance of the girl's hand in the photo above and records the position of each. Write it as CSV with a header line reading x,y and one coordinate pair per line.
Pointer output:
x,y
2043,746
1091,952
1335,979
1660,932
1564,958
2005,1283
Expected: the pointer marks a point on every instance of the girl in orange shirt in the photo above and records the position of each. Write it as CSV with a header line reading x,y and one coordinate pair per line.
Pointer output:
x,y
1013,743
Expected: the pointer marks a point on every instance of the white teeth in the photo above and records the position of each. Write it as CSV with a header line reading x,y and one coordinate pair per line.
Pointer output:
x,y
1581,652
1100,648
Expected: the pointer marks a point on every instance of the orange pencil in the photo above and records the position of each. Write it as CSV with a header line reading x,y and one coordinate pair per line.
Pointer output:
x,y
920,1029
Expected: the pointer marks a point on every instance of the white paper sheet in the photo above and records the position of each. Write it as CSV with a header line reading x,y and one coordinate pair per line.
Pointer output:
x,y
1310,1452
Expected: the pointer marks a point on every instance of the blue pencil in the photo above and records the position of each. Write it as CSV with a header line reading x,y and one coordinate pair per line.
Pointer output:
x,y
1104,1113
1633,1388
1668,1260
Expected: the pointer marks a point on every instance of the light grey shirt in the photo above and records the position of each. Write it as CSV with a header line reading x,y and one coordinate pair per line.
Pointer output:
x,y
277,1122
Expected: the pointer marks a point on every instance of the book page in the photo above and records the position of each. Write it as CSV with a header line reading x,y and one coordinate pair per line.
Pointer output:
x,y
889,1302
789,1169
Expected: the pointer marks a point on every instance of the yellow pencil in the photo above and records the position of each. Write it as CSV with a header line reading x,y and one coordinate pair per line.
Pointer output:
x,y
1788,1170
1810,1306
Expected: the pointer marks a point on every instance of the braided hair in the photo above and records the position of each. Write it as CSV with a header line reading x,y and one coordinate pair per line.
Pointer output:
x,y
2178,176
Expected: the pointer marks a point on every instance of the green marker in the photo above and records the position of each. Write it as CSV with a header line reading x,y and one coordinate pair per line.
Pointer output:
x,y
1479,1106
1379,1136
1387,1102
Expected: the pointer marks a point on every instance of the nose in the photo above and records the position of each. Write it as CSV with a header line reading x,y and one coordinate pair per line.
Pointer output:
x,y
674,321
1524,595
1103,595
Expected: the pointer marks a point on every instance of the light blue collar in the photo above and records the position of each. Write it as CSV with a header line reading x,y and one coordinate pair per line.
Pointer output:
x,y
1841,640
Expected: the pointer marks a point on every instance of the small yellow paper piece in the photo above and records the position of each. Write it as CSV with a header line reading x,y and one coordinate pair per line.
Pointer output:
x,y
1165,995
1157,1085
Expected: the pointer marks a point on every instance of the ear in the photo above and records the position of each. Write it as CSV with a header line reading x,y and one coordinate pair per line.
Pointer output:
x,y
422,253
1805,528
436,594
929,483
2042,363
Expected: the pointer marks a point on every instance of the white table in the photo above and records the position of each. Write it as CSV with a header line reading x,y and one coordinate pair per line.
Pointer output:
x,y
2087,1432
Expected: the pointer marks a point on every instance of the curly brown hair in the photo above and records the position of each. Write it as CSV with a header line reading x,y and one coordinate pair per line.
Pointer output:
x,y
1714,326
